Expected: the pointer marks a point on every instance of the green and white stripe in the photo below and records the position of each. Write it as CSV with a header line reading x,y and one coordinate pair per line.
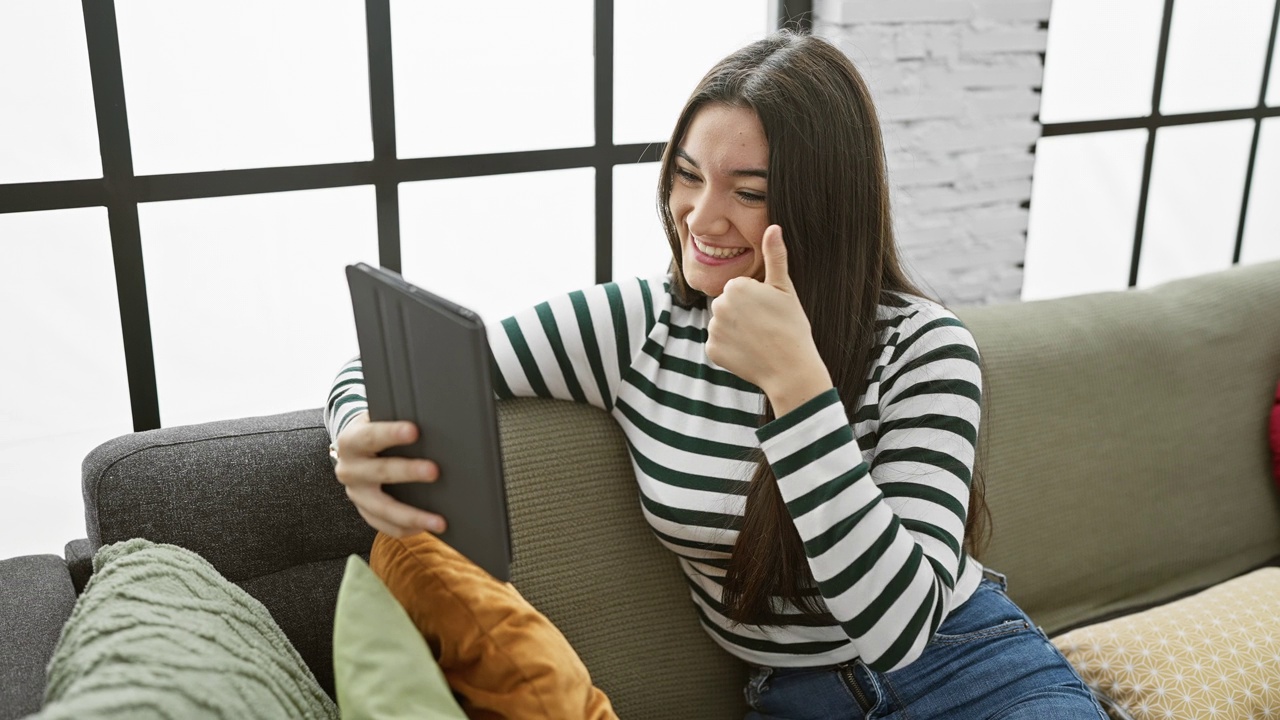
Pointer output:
x,y
880,503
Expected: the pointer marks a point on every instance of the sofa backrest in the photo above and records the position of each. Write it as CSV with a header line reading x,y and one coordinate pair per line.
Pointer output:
x,y
1124,444
586,558
257,498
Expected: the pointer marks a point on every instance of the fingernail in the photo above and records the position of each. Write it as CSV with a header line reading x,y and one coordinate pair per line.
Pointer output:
x,y
435,525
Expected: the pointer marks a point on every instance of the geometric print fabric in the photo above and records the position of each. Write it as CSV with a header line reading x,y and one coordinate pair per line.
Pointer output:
x,y
1213,655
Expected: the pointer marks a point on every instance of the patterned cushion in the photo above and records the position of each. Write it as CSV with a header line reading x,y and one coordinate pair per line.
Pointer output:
x,y
1215,654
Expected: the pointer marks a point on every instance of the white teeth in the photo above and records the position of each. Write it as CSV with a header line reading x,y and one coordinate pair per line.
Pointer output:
x,y
716,252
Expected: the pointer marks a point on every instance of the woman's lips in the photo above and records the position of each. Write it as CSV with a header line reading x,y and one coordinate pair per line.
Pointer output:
x,y
713,255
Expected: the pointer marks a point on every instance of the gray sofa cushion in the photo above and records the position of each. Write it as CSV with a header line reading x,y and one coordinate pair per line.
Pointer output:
x,y
256,497
36,597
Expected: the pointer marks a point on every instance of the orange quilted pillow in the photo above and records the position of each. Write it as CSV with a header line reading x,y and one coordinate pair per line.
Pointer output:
x,y
500,655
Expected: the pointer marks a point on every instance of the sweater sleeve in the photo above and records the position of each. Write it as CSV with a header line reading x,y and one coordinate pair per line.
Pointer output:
x,y
884,538
572,347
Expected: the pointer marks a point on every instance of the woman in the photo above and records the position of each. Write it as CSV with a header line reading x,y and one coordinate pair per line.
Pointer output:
x,y
802,422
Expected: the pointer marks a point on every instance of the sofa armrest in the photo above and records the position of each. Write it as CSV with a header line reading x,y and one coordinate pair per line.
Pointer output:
x,y
253,496
79,555
35,604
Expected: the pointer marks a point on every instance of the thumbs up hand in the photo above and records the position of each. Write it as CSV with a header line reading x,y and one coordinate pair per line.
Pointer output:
x,y
759,332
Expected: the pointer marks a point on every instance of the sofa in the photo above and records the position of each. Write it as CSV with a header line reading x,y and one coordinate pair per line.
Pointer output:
x,y
1123,448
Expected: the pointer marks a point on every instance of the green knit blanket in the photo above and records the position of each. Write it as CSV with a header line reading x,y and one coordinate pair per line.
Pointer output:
x,y
158,633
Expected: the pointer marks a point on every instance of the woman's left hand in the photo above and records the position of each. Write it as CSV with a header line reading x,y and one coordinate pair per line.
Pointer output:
x,y
759,332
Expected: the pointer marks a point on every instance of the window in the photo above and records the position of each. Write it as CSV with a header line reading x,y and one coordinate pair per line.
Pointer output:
x,y
197,174
1158,158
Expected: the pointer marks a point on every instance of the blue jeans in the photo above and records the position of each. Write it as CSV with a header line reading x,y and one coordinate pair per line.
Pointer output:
x,y
987,660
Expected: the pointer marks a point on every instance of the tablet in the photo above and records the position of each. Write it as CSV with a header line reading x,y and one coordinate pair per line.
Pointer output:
x,y
426,360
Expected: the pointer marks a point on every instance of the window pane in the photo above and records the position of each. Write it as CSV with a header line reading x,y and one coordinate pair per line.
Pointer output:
x,y
663,48
1193,207
242,84
501,243
47,126
521,81
640,246
1100,60
1216,54
1273,83
1262,226
67,388
250,311
1070,252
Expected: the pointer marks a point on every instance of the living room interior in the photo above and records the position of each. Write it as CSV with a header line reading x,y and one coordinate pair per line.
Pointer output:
x,y
1093,187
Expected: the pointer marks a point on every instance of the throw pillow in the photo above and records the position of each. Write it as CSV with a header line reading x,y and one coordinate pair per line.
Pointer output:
x,y
381,666
159,632
1275,437
1211,655
503,658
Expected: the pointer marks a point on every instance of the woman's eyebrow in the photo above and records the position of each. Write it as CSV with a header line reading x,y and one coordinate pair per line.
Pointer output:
x,y
751,172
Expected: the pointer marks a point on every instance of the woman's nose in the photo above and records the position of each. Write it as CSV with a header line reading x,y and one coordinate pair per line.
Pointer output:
x,y
707,218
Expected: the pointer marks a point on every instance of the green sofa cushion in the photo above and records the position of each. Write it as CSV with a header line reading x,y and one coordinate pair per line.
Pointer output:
x,y
1124,441
158,633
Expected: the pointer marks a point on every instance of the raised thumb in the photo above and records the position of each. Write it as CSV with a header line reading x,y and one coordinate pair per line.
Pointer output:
x,y
775,258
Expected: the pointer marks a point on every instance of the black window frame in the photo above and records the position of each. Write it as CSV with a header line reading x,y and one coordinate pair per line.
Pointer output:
x,y
120,190
1156,120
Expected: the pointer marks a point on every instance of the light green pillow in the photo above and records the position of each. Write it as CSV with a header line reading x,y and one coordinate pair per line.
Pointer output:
x,y
382,668
159,633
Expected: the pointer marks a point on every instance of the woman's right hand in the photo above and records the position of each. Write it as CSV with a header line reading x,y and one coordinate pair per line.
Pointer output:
x,y
364,472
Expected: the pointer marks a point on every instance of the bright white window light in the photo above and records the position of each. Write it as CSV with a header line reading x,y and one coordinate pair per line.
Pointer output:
x,y
519,80
47,125
640,246
1262,226
1100,60
662,48
500,243
244,84
1216,53
250,311
1193,206
67,389
1273,84
1084,204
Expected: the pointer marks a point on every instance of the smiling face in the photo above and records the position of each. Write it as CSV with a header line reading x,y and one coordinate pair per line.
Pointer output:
x,y
718,197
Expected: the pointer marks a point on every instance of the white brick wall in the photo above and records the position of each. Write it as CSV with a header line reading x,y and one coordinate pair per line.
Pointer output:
x,y
956,84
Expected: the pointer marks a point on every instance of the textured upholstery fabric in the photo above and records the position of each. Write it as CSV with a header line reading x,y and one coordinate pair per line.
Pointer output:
x,y
79,555
158,633
1124,444
36,597
256,497
586,559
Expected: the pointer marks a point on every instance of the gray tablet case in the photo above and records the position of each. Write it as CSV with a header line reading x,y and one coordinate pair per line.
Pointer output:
x,y
427,360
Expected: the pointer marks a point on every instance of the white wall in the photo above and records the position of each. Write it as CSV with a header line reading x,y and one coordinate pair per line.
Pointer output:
x,y
956,84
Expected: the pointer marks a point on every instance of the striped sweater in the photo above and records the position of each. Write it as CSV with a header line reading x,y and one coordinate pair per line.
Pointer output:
x,y
880,503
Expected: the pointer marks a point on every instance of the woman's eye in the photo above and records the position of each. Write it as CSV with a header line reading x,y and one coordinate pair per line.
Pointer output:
x,y
750,197
685,175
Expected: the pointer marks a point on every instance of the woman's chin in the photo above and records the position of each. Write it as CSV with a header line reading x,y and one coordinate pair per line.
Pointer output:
x,y
709,286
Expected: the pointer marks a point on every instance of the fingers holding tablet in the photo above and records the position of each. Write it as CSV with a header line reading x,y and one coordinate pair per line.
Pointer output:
x,y
364,472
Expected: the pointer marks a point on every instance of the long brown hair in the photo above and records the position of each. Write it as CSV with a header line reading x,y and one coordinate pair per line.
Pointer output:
x,y
829,192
